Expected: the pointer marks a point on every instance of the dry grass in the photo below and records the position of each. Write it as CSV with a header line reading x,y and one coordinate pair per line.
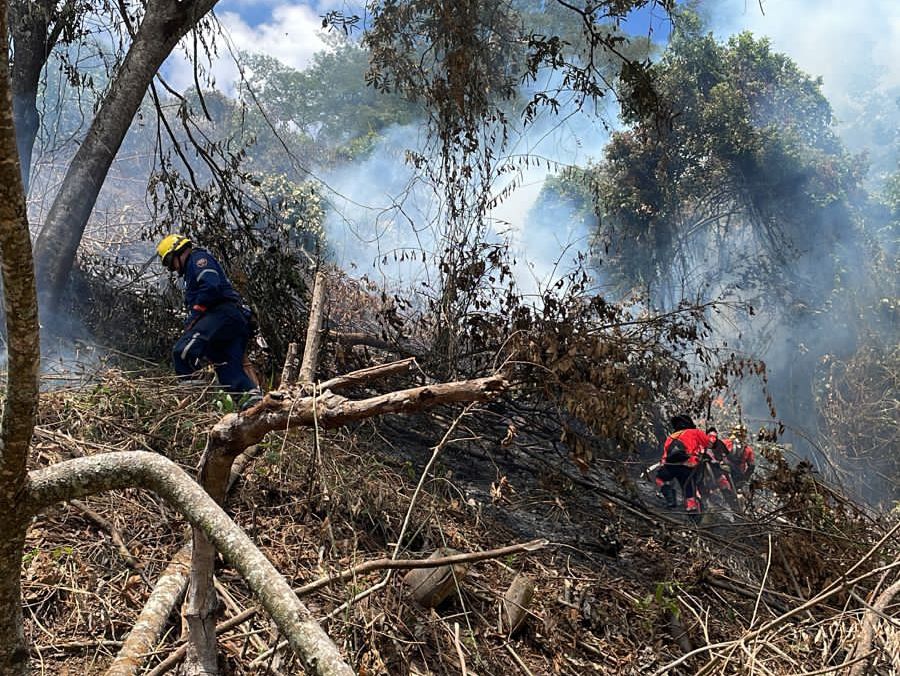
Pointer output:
x,y
718,585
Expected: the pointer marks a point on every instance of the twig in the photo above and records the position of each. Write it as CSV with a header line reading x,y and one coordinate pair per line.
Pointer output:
x,y
843,665
790,572
116,537
868,629
367,374
409,564
518,660
78,645
367,567
763,585
828,593
434,454
459,652
235,609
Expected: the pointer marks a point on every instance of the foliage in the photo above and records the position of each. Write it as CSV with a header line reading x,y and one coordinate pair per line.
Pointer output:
x,y
465,65
860,409
605,375
820,530
748,160
320,113
891,200
266,231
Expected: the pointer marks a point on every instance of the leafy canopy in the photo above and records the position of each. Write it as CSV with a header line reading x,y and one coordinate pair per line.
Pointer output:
x,y
748,157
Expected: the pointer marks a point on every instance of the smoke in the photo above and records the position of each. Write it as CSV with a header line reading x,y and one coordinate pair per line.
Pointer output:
x,y
384,213
855,49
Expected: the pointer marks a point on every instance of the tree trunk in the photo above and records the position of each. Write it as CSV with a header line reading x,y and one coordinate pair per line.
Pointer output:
x,y
164,24
23,356
110,471
31,45
23,359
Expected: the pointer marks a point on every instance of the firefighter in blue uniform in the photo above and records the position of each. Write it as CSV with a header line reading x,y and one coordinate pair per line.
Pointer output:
x,y
217,324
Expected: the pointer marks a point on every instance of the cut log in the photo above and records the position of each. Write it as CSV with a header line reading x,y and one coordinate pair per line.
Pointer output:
x,y
430,586
515,604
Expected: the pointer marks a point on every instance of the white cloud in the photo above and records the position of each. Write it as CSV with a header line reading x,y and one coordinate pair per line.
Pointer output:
x,y
291,35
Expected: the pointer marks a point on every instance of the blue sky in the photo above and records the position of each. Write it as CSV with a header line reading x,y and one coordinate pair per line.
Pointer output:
x,y
291,30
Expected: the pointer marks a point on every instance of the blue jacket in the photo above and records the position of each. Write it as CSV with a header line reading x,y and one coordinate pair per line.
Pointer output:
x,y
205,284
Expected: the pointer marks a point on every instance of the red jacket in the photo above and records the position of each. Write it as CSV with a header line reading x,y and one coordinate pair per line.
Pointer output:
x,y
739,458
695,441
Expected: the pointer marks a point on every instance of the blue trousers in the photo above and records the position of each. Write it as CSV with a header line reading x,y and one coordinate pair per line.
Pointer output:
x,y
219,336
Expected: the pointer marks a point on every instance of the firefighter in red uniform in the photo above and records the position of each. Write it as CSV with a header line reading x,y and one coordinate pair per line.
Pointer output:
x,y
740,456
681,455
721,469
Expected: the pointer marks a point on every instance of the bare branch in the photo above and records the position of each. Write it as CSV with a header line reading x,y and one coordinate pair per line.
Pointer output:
x,y
110,471
314,329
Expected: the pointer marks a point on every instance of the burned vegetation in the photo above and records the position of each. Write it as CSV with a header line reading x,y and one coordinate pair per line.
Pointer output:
x,y
450,471
558,557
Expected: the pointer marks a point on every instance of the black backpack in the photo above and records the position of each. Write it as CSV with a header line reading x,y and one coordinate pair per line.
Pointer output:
x,y
252,321
677,452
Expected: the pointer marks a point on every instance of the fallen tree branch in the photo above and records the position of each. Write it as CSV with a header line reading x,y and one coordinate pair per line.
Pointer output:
x,y
235,432
864,643
830,591
410,564
369,566
350,338
367,374
114,534
280,411
77,645
146,631
110,471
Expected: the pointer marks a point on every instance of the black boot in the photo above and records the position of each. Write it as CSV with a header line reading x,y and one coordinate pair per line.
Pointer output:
x,y
668,493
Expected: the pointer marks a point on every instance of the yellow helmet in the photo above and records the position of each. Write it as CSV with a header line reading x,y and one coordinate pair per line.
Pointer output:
x,y
170,246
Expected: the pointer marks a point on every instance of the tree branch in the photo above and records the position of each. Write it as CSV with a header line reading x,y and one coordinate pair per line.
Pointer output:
x,y
110,471
145,634
236,432
367,374
367,567
314,330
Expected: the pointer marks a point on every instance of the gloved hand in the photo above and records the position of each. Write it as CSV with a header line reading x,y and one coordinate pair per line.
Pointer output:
x,y
196,312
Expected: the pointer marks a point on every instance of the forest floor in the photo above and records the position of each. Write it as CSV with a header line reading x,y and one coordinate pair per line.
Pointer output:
x,y
621,587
